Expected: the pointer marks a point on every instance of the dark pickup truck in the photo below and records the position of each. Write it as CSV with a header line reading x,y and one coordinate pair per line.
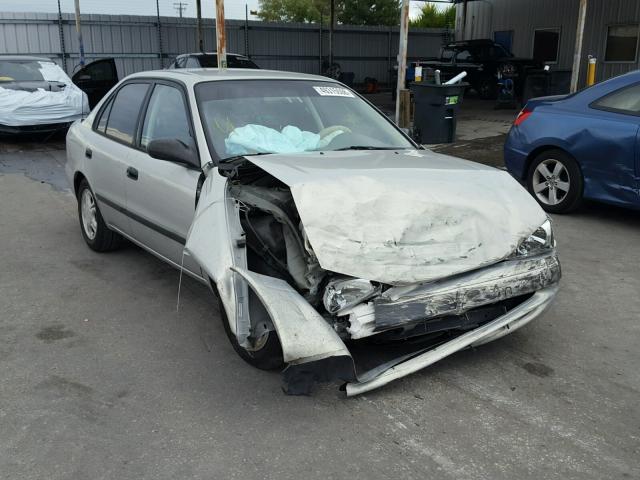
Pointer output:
x,y
485,62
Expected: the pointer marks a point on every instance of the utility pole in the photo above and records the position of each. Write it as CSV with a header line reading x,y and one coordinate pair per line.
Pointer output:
x,y
180,7
332,18
61,33
79,32
199,39
577,55
402,54
221,38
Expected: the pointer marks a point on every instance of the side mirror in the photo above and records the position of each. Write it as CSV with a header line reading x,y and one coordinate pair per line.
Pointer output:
x,y
174,150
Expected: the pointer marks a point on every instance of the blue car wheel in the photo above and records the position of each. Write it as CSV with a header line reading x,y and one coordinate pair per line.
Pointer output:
x,y
555,181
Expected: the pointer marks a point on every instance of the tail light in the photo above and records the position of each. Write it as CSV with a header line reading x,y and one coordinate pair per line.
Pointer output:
x,y
522,116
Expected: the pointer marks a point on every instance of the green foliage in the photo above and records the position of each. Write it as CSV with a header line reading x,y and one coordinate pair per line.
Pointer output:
x,y
368,12
432,17
302,11
351,12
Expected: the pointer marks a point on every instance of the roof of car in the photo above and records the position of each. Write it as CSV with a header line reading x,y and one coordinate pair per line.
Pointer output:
x,y
215,54
22,58
197,75
472,43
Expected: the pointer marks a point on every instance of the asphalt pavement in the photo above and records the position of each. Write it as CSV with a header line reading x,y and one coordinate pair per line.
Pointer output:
x,y
105,375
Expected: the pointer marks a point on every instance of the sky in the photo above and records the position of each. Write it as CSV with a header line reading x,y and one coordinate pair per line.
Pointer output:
x,y
232,8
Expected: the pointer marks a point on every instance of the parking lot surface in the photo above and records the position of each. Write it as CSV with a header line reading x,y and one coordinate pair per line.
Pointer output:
x,y
105,376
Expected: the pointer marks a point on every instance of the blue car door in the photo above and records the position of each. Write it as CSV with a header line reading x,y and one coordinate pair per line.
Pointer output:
x,y
611,150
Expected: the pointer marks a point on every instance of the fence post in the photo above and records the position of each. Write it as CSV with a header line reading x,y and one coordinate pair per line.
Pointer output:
x,y
159,27
61,33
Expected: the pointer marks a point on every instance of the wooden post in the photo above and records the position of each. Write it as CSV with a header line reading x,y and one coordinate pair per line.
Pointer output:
x,y
402,54
577,55
221,38
405,108
79,32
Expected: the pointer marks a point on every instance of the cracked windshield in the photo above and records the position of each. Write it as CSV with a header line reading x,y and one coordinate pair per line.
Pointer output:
x,y
251,117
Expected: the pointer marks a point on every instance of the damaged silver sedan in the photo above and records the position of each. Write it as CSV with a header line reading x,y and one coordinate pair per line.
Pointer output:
x,y
323,230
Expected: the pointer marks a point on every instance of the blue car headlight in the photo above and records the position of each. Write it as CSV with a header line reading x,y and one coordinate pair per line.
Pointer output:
x,y
538,242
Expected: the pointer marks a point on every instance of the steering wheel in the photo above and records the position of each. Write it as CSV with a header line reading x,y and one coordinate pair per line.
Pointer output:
x,y
333,128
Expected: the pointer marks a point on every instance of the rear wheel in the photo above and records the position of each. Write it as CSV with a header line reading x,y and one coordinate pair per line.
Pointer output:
x,y
94,231
556,182
266,353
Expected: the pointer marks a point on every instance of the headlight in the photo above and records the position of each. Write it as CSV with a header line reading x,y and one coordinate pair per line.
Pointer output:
x,y
538,242
344,293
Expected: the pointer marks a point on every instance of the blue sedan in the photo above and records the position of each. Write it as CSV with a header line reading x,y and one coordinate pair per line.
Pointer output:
x,y
587,145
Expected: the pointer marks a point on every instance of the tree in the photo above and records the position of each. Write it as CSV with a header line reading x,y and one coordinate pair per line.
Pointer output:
x,y
301,11
432,17
350,12
366,12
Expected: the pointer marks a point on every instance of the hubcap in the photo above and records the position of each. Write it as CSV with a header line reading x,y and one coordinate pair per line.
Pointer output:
x,y
89,214
551,182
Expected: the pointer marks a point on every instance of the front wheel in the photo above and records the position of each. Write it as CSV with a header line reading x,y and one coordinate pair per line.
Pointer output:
x,y
556,182
266,353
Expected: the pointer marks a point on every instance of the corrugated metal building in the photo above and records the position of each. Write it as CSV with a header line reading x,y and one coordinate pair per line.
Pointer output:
x,y
546,29
141,43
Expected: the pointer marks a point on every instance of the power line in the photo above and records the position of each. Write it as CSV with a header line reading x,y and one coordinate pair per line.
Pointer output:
x,y
180,7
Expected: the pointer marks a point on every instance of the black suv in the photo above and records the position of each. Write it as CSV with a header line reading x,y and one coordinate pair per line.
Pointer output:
x,y
485,61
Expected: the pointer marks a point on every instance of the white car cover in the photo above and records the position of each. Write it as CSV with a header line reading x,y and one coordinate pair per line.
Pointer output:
x,y
22,108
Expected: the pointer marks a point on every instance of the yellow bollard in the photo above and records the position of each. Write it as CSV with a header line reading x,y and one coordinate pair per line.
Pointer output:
x,y
591,71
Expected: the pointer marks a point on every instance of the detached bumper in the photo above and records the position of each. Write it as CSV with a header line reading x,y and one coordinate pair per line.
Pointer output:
x,y
514,319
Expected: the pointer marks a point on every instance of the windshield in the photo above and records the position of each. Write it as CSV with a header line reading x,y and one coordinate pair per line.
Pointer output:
x,y
290,116
20,71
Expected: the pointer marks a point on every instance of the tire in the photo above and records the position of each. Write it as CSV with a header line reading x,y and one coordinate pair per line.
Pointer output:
x,y
487,88
267,357
555,181
94,231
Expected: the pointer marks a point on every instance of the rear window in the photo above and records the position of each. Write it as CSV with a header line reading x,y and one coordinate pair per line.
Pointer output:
x,y
626,100
20,71
125,109
211,61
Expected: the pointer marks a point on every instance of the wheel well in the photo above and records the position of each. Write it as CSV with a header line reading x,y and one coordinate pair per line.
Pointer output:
x,y
77,178
534,153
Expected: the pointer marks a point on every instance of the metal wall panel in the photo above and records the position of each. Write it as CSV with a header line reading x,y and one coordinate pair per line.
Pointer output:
x,y
133,42
524,16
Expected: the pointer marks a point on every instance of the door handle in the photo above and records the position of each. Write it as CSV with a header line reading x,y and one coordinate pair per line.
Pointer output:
x,y
132,173
88,153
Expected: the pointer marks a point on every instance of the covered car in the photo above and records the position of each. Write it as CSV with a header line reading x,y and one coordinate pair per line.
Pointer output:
x,y
36,94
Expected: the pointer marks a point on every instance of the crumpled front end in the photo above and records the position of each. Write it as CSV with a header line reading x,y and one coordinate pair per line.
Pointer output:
x,y
253,240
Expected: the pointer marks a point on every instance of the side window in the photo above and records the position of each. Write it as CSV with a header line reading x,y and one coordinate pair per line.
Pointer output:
x,y
180,62
123,117
464,56
626,100
104,116
193,62
166,116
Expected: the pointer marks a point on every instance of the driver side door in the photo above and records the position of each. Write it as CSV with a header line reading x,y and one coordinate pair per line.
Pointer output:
x,y
161,195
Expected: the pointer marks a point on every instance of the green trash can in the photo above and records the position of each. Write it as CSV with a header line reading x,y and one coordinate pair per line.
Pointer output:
x,y
434,119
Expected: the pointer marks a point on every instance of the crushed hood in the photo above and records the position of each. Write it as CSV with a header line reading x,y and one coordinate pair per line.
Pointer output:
x,y
404,217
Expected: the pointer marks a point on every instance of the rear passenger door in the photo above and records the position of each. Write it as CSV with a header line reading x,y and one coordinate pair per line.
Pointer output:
x,y
161,196
107,152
